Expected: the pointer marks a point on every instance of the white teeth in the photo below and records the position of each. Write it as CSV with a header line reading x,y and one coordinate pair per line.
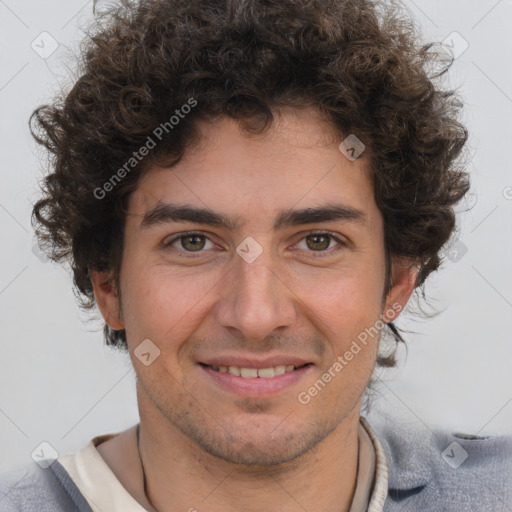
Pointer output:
x,y
266,372
251,373
248,373
279,370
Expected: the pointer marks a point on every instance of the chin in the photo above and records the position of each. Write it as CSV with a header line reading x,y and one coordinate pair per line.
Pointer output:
x,y
257,443
255,453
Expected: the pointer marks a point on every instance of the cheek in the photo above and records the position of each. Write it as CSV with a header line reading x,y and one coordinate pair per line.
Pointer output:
x,y
346,298
161,304
346,307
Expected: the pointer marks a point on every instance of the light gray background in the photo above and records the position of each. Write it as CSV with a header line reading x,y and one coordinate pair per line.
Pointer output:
x,y
59,384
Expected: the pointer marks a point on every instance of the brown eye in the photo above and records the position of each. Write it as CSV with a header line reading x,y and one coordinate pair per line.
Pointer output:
x,y
189,242
192,242
318,242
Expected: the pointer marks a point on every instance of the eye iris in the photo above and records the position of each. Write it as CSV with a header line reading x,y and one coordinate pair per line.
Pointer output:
x,y
316,239
197,244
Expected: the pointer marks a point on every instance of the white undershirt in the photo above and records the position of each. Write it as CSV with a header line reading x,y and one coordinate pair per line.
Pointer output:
x,y
105,493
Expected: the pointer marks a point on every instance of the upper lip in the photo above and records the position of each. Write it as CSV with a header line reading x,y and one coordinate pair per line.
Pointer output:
x,y
253,362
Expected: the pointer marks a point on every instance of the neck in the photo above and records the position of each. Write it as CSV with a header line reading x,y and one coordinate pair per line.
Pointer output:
x,y
179,475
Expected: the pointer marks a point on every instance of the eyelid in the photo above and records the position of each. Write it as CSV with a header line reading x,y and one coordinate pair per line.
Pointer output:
x,y
341,243
184,234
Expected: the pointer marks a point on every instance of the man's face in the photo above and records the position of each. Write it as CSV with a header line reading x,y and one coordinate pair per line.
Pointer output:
x,y
303,300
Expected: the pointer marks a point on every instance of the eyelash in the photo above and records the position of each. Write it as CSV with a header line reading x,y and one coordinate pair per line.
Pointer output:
x,y
329,251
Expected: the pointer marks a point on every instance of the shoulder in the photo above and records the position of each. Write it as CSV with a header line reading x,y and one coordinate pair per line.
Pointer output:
x,y
26,485
34,489
429,468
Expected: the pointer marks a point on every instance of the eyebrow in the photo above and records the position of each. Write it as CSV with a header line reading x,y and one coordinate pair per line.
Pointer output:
x,y
164,213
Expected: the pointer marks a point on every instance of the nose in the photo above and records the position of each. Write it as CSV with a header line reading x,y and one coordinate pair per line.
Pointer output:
x,y
256,300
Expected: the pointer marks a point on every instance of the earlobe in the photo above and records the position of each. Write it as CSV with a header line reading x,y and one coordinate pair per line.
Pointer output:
x,y
404,274
107,298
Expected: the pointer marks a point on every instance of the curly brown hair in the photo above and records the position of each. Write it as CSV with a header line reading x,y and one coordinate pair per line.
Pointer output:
x,y
358,62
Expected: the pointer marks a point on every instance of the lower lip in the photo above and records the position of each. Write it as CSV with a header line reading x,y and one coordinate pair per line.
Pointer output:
x,y
258,386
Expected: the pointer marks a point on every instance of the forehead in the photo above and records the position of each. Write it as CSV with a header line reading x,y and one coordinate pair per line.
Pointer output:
x,y
295,164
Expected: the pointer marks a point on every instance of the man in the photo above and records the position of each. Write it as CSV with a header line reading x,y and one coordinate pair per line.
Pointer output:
x,y
250,192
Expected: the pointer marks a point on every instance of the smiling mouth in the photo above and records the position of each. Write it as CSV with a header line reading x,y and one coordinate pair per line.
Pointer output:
x,y
255,373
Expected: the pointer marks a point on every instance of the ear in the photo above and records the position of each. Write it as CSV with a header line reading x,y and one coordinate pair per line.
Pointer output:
x,y
107,298
403,279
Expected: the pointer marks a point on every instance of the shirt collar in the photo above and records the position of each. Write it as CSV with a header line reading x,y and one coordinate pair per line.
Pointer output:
x,y
380,482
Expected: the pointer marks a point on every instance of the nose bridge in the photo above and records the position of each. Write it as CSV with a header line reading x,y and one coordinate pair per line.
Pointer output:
x,y
255,301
